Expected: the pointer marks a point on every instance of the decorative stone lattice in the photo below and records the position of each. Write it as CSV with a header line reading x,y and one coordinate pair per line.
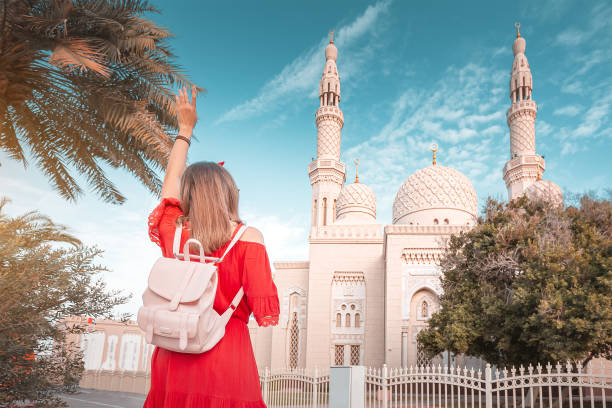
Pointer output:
x,y
348,278
435,187
522,135
422,255
294,342
546,191
358,197
421,359
339,354
355,354
328,140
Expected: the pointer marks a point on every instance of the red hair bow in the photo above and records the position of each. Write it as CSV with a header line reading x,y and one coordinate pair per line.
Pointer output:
x,y
221,163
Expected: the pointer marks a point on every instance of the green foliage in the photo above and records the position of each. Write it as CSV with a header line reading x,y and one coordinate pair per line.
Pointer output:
x,y
86,84
45,276
529,283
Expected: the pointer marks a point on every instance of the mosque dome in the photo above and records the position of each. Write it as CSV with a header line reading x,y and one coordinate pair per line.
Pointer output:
x,y
331,52
544,190
356,204
436,195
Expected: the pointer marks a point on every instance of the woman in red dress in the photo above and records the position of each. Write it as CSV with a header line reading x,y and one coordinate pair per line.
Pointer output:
x,y
204,198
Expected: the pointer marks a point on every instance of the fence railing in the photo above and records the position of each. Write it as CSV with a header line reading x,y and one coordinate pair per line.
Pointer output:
x,y
295,388
547,386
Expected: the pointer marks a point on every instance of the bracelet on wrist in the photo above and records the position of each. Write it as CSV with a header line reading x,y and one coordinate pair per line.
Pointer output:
x,y
179,137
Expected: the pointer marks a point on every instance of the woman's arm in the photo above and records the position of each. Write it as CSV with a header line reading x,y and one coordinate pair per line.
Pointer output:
x,y
187,118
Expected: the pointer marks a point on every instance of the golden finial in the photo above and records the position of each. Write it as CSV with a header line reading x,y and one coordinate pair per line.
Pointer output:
x,y
356,161
331,38
434,149
517,25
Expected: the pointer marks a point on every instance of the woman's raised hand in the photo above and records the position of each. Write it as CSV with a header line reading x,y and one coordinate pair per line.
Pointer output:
x,y
186,111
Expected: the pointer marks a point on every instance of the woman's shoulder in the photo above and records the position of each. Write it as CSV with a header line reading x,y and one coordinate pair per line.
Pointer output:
x,y
252,234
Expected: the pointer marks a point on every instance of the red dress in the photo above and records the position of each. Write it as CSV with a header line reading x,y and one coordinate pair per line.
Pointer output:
x,y
226,376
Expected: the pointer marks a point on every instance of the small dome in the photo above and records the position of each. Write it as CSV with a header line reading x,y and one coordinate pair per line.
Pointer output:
x,y
518,47
356,203
544,190
331,52
438,188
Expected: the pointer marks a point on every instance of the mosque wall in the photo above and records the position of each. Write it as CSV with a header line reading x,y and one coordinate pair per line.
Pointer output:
x,y
348,273
288,347
412,276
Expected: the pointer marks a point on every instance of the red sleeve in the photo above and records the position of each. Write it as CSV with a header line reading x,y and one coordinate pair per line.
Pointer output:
x,y
162,224
260,290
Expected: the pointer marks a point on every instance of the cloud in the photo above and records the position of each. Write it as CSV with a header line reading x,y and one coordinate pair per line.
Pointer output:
x,y
545,9
285,239
471,140
299,77
599,24
569,110
572,37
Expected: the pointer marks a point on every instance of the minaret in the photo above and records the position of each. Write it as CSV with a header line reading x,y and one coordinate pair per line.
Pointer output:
x,y
524,165
327,172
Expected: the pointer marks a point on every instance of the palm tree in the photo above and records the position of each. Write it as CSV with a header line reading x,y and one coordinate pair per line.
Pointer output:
x,y
86,85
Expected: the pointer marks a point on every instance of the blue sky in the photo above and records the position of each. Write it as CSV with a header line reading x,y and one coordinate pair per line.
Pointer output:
x,y
412,73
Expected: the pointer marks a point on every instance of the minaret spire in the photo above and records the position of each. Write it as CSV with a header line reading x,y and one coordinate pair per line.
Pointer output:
x,y
327,173
524,165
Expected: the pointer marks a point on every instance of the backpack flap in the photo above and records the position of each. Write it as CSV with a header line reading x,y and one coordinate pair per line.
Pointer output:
x,y
184,282
164,323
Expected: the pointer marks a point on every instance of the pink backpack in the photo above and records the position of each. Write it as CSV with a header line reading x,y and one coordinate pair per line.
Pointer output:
x,y
177,312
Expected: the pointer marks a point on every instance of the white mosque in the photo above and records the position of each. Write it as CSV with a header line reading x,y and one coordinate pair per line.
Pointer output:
x,y
368,289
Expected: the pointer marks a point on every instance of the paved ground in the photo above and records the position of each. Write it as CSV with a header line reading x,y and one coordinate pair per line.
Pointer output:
x,y
101,399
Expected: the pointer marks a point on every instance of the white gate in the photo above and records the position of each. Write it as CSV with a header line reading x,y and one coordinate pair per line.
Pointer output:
x,y
295,388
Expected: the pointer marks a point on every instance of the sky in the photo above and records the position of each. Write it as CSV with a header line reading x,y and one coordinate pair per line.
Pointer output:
x,y
412,73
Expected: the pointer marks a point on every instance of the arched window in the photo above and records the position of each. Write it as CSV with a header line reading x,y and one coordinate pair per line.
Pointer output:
x,y
324,210
357,320
338,320
446,221
424,309
334,210
328,86
348,320
435,221
314,213
293,344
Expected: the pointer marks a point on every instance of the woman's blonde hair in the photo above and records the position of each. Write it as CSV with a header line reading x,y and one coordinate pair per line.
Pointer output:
x,y
209,200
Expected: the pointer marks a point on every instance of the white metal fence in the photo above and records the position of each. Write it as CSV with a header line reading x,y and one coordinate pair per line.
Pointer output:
x,y
295,388
547,386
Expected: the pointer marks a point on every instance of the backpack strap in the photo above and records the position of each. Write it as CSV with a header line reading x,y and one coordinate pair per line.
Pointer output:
x,y
230,310
234,240
176,250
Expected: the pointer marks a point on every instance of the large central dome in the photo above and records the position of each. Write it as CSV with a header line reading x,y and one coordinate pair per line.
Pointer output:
x,y
438,188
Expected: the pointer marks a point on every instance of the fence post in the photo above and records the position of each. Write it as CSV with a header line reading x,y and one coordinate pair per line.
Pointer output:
x,y
384,386
488,388
265,386
315,385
